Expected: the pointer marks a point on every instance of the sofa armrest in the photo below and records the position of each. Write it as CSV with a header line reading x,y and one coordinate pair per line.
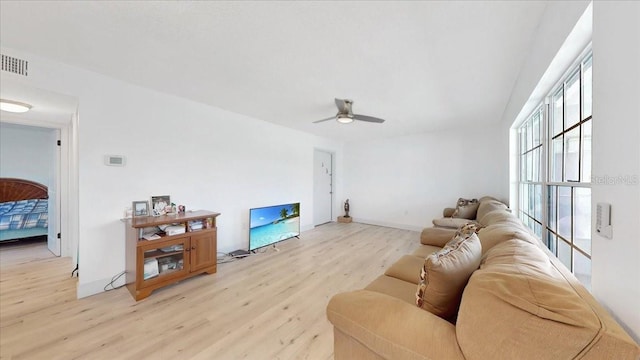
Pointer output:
x,y
436,236
448,212
392,328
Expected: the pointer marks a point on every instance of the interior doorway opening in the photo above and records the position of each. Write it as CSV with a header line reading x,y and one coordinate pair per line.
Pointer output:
x,y
31,156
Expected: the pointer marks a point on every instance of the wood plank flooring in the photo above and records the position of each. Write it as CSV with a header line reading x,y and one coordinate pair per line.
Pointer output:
x,y
268,306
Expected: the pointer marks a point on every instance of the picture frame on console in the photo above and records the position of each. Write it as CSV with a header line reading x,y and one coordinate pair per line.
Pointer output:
x,y
140,208
159,204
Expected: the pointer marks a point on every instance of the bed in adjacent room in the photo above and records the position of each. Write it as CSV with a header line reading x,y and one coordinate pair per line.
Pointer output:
x,y
23,209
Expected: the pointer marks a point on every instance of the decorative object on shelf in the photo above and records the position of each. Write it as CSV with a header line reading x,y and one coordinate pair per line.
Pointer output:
x,y
346,208
181,209
140,208
159,204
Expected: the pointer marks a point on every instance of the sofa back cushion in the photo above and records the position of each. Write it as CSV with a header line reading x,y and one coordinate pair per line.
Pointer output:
x,y
497,233
487,205
524,307
446,272
497,216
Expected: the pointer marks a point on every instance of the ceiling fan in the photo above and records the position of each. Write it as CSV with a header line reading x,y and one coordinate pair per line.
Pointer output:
x,y
345,115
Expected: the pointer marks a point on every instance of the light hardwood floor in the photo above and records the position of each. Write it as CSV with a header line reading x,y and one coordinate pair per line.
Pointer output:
x,y
267,306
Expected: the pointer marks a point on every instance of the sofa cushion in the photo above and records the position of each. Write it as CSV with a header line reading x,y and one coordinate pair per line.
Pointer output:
x,y
466,209
407,268
452,223
436,236
391,286
487,206
370,325
445,273
497,216
425,250
497,233
487,198
448,212
520,301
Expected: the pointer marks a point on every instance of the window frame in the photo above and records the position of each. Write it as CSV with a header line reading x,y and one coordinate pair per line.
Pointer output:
x,y
552,140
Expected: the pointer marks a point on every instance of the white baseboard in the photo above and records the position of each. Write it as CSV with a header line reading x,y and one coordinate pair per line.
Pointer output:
x,y
391,225
96,287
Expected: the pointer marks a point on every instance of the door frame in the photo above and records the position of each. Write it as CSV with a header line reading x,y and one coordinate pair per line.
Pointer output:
x,y
66,192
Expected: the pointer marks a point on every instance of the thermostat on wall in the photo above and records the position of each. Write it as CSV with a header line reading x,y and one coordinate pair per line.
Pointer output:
x,y
114,160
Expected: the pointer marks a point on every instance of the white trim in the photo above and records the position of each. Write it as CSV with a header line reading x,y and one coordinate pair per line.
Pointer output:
x,y
97,287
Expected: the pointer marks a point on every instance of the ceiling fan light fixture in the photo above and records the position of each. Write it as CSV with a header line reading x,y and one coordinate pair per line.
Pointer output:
x,y
346,116
344,119
14,106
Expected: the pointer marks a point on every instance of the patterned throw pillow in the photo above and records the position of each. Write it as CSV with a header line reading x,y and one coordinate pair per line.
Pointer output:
x,y
466,209
445,273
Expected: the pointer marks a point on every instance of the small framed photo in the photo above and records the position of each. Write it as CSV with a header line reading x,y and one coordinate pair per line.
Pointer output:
x,y
159,204
140,208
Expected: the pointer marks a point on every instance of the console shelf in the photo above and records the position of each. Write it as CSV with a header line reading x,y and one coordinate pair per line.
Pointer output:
x,y
152,264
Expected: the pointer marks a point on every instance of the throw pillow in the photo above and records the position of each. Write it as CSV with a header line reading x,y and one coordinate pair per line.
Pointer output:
x,y
466,209
445,273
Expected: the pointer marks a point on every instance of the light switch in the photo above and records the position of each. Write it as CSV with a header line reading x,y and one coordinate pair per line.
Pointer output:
x,y
603,220
114,160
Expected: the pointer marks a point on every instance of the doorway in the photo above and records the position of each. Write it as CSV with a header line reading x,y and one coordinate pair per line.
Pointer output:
x,y
322,187
32,153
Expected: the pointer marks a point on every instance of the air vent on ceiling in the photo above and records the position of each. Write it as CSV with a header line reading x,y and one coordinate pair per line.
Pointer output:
x,y
14,65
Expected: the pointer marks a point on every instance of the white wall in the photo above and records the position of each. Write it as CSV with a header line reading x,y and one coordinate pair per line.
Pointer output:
x,y
616,157
203,157
26,152
406,181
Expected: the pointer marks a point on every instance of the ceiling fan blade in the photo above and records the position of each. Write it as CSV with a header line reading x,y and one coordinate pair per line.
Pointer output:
x,y
329,118
367,118
343,108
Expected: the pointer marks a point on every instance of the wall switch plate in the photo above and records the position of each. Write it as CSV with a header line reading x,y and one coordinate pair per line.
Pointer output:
x,y
114,160
603,220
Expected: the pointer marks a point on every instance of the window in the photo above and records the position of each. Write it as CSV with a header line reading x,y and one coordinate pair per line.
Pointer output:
x,y
555,189
530,171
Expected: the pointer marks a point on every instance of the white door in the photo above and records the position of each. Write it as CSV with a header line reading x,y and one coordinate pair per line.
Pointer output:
x,y
53,242
322,187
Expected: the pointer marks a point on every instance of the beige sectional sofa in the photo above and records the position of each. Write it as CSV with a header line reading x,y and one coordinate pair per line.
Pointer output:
x,y
521,303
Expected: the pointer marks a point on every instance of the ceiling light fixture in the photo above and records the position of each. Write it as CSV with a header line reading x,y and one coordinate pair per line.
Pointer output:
x,y
344,119
14,106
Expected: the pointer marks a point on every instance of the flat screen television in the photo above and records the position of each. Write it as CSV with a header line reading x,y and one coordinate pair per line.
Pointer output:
x,y
272,224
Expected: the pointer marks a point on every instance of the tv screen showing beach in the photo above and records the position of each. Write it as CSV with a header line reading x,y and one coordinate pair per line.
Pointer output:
x,y
272,224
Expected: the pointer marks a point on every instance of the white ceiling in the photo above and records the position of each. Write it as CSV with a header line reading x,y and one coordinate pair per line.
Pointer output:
x,y
421,65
